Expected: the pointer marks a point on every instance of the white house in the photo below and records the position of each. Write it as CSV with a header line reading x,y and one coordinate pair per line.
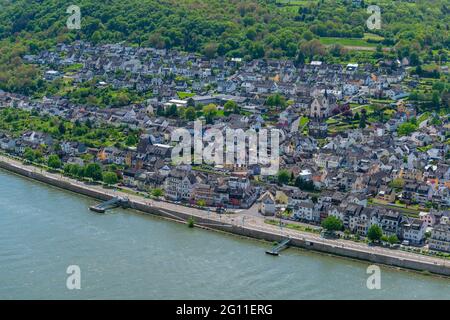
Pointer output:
x,y
267,205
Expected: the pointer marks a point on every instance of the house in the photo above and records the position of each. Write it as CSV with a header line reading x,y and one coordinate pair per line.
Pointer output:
x,y
203,192
428,218
440,238
390,223
73,148
414,231
267,204
305,211
318,130
386,194
179,184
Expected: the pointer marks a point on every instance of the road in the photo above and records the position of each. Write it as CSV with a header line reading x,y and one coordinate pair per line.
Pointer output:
x,y
249,219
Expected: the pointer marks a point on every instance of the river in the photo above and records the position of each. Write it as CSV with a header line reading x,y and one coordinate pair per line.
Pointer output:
x,y
127,255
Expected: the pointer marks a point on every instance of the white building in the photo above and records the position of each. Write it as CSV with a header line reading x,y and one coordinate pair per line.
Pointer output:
x,y
440,238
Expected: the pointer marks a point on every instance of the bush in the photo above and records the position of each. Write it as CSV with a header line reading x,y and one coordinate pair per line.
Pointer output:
x,y
332,223
191,222
54,162
374,233
110,178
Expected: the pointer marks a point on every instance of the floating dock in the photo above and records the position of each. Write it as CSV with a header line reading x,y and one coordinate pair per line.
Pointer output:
x,y
279,247
110,204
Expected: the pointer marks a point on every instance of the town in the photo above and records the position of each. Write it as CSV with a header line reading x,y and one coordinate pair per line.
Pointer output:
x,y
356,147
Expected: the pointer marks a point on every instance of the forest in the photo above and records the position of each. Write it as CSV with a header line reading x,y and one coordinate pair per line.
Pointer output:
x,y
278,29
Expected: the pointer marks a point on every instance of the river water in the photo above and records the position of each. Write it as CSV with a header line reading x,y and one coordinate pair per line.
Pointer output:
x,y
127,255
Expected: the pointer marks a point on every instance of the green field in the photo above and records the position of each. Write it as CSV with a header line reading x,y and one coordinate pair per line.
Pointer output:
x,y
347,42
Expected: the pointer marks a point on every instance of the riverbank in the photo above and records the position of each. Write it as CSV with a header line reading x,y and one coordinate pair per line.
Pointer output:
x,y
241,223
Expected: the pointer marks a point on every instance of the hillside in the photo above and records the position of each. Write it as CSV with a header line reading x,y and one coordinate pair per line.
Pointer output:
x,y
333,30
245,28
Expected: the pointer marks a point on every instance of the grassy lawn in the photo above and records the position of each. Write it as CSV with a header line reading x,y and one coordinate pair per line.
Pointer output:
x,y
185,95
349,42
73,67
294,2
373,36
424,116
293,226
303,122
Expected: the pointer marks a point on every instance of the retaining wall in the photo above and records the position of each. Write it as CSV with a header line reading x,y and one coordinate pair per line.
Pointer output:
x,y
239,230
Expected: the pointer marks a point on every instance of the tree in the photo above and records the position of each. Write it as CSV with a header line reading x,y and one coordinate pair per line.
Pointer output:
x,y
435,100
300,60
392,239
362,120
110,178
374,233
414,59
406,128
131,140
172,111
312,48
190,114
302,184
231,107
54,162
61,128
276,100
190,102
93,171
157,192
283,177
397,183
29,154
332,224
210,112
201,203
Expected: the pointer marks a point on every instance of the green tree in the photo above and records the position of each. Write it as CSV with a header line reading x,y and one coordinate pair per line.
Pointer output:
x,y
393,239
54,162
93,171
283,177
374,233
231,107
61,128
157,192
363,119
210,112
190,114
332,223
29,154
172,111
131,140
397,183
110,178
406,128
303,184
435,100
201,203
191,222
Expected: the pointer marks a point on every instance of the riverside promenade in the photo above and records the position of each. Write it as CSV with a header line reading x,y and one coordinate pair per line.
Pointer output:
x,y
244,223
